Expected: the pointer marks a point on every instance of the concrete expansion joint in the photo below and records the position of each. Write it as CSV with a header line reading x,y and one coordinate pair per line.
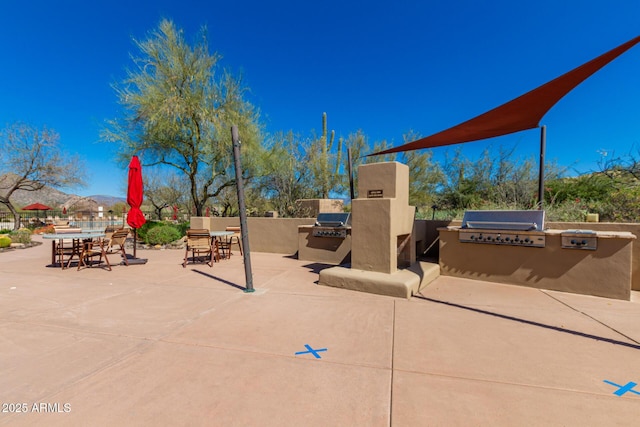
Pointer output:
x,y
508,383
591,317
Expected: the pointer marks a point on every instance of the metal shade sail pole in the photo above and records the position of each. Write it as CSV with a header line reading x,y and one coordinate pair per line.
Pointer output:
x,y
243,211
543,148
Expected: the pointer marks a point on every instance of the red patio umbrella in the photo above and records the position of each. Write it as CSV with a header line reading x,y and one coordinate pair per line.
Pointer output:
x,y
36,207
135,190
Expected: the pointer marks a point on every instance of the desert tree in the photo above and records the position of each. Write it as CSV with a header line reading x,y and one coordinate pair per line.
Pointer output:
x,y
425,175
178,109
287,176
163,189
357,143
31,159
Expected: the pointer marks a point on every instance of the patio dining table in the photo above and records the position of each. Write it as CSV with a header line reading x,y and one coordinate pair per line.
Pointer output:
x,y
216,235
223,233
76,238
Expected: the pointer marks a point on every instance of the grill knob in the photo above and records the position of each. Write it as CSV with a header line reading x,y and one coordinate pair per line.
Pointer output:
x,y
584,242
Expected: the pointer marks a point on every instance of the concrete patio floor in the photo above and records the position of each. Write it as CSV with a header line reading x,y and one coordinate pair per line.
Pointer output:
x,y
158,344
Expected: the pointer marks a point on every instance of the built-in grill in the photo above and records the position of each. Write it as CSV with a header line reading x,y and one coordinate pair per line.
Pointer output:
x,y
513,228
332,224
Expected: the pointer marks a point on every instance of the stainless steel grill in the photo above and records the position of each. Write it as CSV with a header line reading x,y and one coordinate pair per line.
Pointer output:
x,y
579,239
332,224
513,228
504,220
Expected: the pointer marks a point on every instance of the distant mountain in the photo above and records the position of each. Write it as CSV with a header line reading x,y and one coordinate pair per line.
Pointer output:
x,y
107,201
56,198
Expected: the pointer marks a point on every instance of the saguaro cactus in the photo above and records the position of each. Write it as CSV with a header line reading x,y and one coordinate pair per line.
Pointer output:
x,y
328,178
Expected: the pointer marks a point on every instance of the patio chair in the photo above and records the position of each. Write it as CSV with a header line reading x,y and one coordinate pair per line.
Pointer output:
x,y
200,243
66,249
235,236
108,232
224,246
104,247
115,244
92,249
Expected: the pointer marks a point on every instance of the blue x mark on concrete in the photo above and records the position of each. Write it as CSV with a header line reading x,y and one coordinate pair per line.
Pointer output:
x,y
622,389
312,351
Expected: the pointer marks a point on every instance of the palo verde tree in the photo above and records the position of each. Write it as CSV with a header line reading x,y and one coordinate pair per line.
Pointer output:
x,y
425,175
287,176
358,144
30,160
178,109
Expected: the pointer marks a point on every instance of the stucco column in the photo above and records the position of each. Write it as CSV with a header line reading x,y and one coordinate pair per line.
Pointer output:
x,y
380,214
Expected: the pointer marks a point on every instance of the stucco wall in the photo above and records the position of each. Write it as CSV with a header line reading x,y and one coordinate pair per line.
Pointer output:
x,y
276,235
633,228
605,272
312,207
280,235
328,250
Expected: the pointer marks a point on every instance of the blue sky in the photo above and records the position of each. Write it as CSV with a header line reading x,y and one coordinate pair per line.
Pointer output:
x,y
382,67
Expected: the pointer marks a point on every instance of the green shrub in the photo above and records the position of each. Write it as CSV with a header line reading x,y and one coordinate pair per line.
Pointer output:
x,y
22,235
162,234
143,231
5,241
5,231
182,228
149,225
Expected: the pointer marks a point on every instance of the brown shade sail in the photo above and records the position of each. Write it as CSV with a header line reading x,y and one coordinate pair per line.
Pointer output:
x,y
524,112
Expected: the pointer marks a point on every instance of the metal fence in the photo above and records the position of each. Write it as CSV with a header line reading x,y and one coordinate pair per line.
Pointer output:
x,y
37,219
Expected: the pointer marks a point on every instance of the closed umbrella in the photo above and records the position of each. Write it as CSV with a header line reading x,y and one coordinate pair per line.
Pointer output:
x,y
135,191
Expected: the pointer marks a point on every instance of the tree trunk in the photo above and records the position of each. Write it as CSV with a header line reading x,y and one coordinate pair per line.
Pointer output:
x,y
16,216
